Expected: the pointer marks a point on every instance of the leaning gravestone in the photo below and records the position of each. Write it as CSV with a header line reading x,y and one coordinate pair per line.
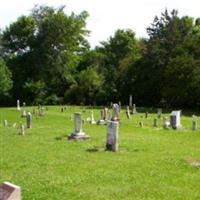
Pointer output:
x,y
115,116
9,191
175,119
18,105
29,120
112,136
128,112
78,134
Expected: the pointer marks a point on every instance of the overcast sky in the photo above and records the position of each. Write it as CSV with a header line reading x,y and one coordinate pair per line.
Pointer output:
x,y
105,15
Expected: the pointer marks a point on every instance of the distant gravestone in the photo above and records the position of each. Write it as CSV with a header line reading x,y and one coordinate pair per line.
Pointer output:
x,y
141,124
18,105
134,109
146,114
128,112
175,119
101,121
41,111
106,114
112,136
78,134
166,123
159,113
130,101
21,129
29,120
115,116
9,191
120,105
92,121
5,123
194,124
23,113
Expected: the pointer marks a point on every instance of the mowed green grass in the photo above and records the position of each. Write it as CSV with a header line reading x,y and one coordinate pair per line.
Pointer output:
x,y
150,164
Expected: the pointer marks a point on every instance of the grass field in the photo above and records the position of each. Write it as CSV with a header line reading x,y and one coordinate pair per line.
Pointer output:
x,y
150,165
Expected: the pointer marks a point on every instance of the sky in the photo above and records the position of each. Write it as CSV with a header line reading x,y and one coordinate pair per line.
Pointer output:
x,y
105,16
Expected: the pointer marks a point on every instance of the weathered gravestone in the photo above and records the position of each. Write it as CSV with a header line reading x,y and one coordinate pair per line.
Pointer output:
x,y
29,120
194,124
130,101
166,123
78,134
21,129
112,136
92,121
146,114
9,191
106,114
101,121
134,109
128,112
141,124
175,119
18,105
159,113
115,116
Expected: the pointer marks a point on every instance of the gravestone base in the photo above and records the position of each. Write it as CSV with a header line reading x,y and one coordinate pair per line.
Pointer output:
x,y
78,136
101,122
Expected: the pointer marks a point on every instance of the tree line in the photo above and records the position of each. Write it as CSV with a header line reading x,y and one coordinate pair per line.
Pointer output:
x,y
45,58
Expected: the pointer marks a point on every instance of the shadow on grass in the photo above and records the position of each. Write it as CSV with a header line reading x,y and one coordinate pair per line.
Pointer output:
x,y
96,149
61,137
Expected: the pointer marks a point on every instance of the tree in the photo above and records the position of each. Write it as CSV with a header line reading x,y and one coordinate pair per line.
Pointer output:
x,y
5,79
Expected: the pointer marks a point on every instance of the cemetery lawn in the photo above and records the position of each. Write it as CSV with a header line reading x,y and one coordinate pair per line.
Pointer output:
x,y
151,163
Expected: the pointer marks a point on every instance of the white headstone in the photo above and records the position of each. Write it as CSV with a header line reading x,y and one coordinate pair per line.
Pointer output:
x,y
112,136
29,120
9,191
18,105
92,121
128,112
78,133
5,123
175,119
115,116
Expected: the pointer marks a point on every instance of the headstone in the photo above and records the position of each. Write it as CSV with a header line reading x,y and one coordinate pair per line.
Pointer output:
x,y
106,114
194,124
101,121
92,121
159,113
130,101
29,120
166,123
112,136
24,105
175,119
134,109
9,191
5,123
78,134
41,111
18,105
21,129
62,109
14,125
155,122
115,116
128,112
146,114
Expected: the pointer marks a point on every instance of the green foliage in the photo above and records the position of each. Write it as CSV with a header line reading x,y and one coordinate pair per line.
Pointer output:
x,y
5,79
